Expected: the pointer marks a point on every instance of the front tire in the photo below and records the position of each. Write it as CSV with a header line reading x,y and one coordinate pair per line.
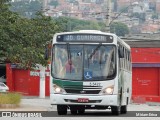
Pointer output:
x,y
116,110
81,110
73,110
62,109
124,109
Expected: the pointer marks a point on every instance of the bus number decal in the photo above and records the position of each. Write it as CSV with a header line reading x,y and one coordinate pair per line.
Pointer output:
x,y
95,84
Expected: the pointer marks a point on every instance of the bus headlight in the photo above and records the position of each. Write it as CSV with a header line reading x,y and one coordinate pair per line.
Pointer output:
x,y
57,89
108,90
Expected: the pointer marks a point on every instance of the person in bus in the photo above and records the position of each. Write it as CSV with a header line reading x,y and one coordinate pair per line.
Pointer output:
x,y
78,64
69,66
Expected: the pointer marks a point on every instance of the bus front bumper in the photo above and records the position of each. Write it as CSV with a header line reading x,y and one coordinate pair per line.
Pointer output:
x,y
104,100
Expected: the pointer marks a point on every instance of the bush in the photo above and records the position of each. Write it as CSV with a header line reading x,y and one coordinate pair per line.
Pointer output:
x,y
10,98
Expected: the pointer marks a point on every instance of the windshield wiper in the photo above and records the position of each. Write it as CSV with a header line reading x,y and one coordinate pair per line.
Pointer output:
x,y
102,51
94,51
100,61
69,57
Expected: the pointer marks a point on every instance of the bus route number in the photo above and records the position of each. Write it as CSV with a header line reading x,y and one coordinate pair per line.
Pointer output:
x,y
95,84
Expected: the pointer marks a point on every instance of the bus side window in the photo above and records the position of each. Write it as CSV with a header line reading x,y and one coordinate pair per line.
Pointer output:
x,y
120,52
130,64
119,62
120,55
126,58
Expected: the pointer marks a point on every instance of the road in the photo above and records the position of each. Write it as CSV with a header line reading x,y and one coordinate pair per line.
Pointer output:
x,y
36,104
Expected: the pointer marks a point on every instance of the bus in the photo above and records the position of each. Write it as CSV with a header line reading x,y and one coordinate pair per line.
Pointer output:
x,y
90,69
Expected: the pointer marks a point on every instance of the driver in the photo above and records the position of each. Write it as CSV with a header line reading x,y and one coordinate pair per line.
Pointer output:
x,y
69,66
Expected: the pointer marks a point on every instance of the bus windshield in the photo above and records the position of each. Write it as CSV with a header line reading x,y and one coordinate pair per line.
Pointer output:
x,y
84,62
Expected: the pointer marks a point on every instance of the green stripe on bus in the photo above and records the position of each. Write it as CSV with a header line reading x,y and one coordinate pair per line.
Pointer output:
x,y
68,83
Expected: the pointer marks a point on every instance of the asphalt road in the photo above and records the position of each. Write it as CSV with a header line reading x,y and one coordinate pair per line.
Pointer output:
x,y
36,104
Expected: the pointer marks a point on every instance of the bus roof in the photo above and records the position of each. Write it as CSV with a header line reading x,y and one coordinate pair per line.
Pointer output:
x,y
97,32
87,31
124,43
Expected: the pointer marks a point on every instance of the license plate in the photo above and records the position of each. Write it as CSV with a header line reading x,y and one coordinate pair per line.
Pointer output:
x,y
83,100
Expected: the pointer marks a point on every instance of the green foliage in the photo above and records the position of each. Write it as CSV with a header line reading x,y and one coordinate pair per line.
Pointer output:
x,y
72,24
4,1
118,28
62,22
10,98
24,40
102,26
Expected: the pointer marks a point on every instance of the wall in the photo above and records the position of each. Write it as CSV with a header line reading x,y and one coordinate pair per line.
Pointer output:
x,y
146,74
25,81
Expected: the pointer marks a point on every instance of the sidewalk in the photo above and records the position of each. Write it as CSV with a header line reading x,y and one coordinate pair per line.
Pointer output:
x,y
31,104
38,104
153,103
24,108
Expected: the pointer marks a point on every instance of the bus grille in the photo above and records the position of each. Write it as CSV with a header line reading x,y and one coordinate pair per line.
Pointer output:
x,y
84,90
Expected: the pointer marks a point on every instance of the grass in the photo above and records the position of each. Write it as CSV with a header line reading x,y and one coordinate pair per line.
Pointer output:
x,y
10,98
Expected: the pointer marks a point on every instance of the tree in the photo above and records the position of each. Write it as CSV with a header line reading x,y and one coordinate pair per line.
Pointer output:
x,y
62,22
4,1
72,24
119,28
24,40
7,18
28,47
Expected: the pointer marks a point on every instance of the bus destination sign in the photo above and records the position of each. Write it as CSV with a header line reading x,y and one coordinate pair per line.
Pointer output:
x,y
85,38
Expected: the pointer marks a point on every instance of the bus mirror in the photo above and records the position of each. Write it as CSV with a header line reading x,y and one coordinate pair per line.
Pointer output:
x,y
121,54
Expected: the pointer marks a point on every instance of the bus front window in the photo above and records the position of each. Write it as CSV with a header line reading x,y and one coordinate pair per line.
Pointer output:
x,y
83,62
99,62
67,63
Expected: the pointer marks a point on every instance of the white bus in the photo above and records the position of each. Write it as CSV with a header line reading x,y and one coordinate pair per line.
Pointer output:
x,y
90,70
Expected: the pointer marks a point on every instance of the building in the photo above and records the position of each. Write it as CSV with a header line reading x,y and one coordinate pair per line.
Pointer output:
x,y
145,69
150,28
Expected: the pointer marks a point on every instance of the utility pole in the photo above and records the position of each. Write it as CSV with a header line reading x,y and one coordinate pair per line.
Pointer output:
x,y
45,2
42,80
108,16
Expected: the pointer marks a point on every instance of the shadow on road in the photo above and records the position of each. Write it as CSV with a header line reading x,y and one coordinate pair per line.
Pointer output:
x,y
92,114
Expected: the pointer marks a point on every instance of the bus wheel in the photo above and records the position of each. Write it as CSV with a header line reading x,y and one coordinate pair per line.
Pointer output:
x,y
62,109
81,110
124,109
73,109
116,110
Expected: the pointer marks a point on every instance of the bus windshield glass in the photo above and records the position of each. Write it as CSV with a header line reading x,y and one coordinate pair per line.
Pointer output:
x,y
84,62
